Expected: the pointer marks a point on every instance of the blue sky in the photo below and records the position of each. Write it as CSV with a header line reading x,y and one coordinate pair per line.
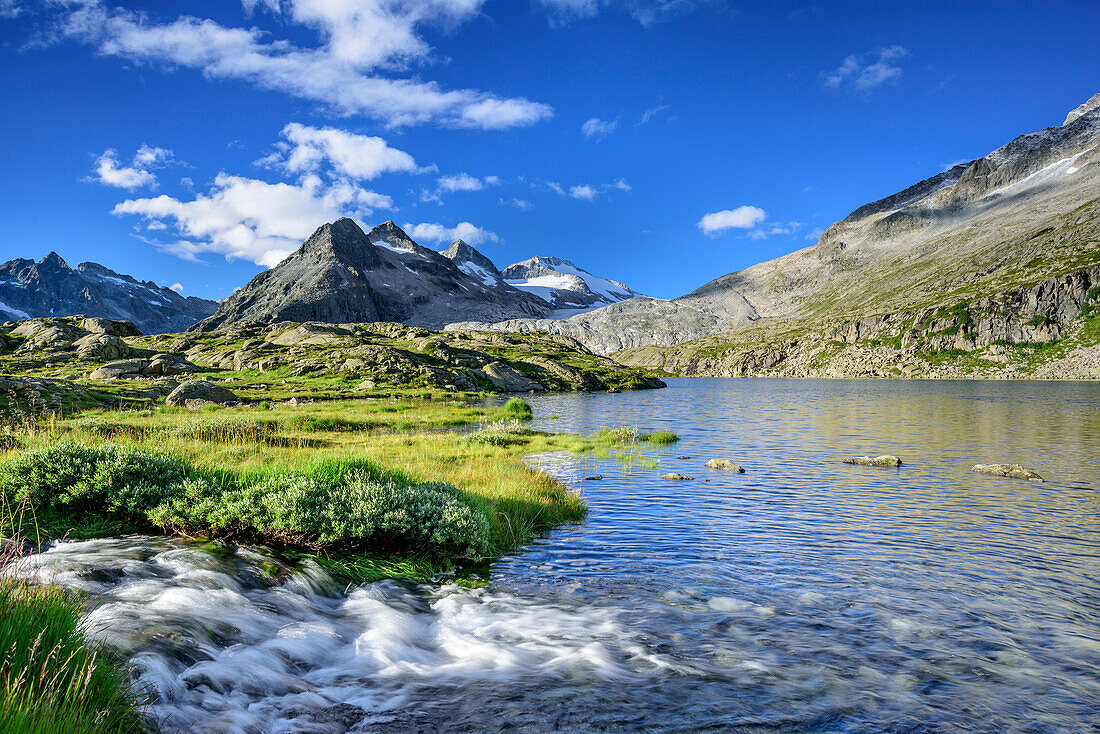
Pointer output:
x,y
659,142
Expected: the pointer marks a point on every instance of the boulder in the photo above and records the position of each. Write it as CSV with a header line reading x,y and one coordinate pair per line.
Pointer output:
x,y
201,390
97,325
506,379
725,465
885,460
120,369
168,365
1012,471
99,346
310,333
673,476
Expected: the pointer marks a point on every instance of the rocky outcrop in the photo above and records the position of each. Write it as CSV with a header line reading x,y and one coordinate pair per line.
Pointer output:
x,y
884,460
1012,471
196,393
725,465
342,274
49,287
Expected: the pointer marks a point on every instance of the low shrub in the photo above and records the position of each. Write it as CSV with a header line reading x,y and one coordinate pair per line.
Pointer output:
x,y
338,506
518,409
503,434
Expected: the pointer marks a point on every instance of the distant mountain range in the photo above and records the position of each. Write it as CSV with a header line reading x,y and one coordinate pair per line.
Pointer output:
x,y
1027,212
341,274
49,287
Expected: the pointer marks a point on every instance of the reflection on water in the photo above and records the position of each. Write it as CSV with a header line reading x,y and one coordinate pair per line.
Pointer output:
x,y
803,596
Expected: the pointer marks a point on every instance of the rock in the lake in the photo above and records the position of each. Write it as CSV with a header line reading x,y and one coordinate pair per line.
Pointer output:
x,y
596,478
673,476
885,460
1012,471
725,465
200,390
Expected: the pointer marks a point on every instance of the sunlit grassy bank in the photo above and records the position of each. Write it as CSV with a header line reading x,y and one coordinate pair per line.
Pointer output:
x,y
373,488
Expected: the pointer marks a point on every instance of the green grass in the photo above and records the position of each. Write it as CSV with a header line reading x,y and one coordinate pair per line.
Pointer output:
x,y
51,681
518,409
661,438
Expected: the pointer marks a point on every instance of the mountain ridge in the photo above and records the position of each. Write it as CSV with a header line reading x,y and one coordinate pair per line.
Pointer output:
x,y
50,287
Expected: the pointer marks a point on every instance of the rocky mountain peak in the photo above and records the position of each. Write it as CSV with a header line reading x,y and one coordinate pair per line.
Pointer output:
x,y
473,263
54,261
1092,103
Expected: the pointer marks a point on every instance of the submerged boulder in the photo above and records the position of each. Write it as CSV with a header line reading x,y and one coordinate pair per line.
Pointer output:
x,y
674,477
1012,471
725,465
884,460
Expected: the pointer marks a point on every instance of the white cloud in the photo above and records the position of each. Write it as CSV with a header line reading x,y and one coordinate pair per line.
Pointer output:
x,y
743,217
110,172
362,43
870,71
522,204
306,149
597,129
649,115
461,182
815,234
585,192
440,234
250,219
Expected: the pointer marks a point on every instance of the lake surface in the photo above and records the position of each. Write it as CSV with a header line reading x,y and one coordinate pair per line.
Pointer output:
x,y
805,595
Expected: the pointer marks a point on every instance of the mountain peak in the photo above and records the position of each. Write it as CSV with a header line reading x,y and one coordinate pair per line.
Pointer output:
x,y
1090,105
54,260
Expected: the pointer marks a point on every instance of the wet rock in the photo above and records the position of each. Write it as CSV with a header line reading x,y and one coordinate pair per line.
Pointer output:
x,y
884,460
103,575
725,465
683,457
596,478
1012,471
201,390
343,714
674,477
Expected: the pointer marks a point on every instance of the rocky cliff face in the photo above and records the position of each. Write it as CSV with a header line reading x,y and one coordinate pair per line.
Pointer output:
x,y
342,274
1026,212
1050,330
49,287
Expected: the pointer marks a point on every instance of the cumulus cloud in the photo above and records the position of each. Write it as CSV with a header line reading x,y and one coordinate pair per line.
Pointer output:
x,y
743,217
597,129
249,219
138,174
461,182
866,72
363,44
306,149
439,234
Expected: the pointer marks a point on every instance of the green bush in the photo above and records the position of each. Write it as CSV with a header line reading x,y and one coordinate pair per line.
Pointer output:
x,y
327,505
518,409
117,481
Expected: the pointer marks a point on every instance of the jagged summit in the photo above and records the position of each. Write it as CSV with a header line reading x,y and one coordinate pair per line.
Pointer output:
x,y
49,287
342,274
1088,106
470,261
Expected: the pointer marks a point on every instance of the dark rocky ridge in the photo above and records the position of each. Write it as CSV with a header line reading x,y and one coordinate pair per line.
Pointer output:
x,y
49,287
342,275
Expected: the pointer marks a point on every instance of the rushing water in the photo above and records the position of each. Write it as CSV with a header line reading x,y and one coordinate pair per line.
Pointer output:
x,y
805,595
